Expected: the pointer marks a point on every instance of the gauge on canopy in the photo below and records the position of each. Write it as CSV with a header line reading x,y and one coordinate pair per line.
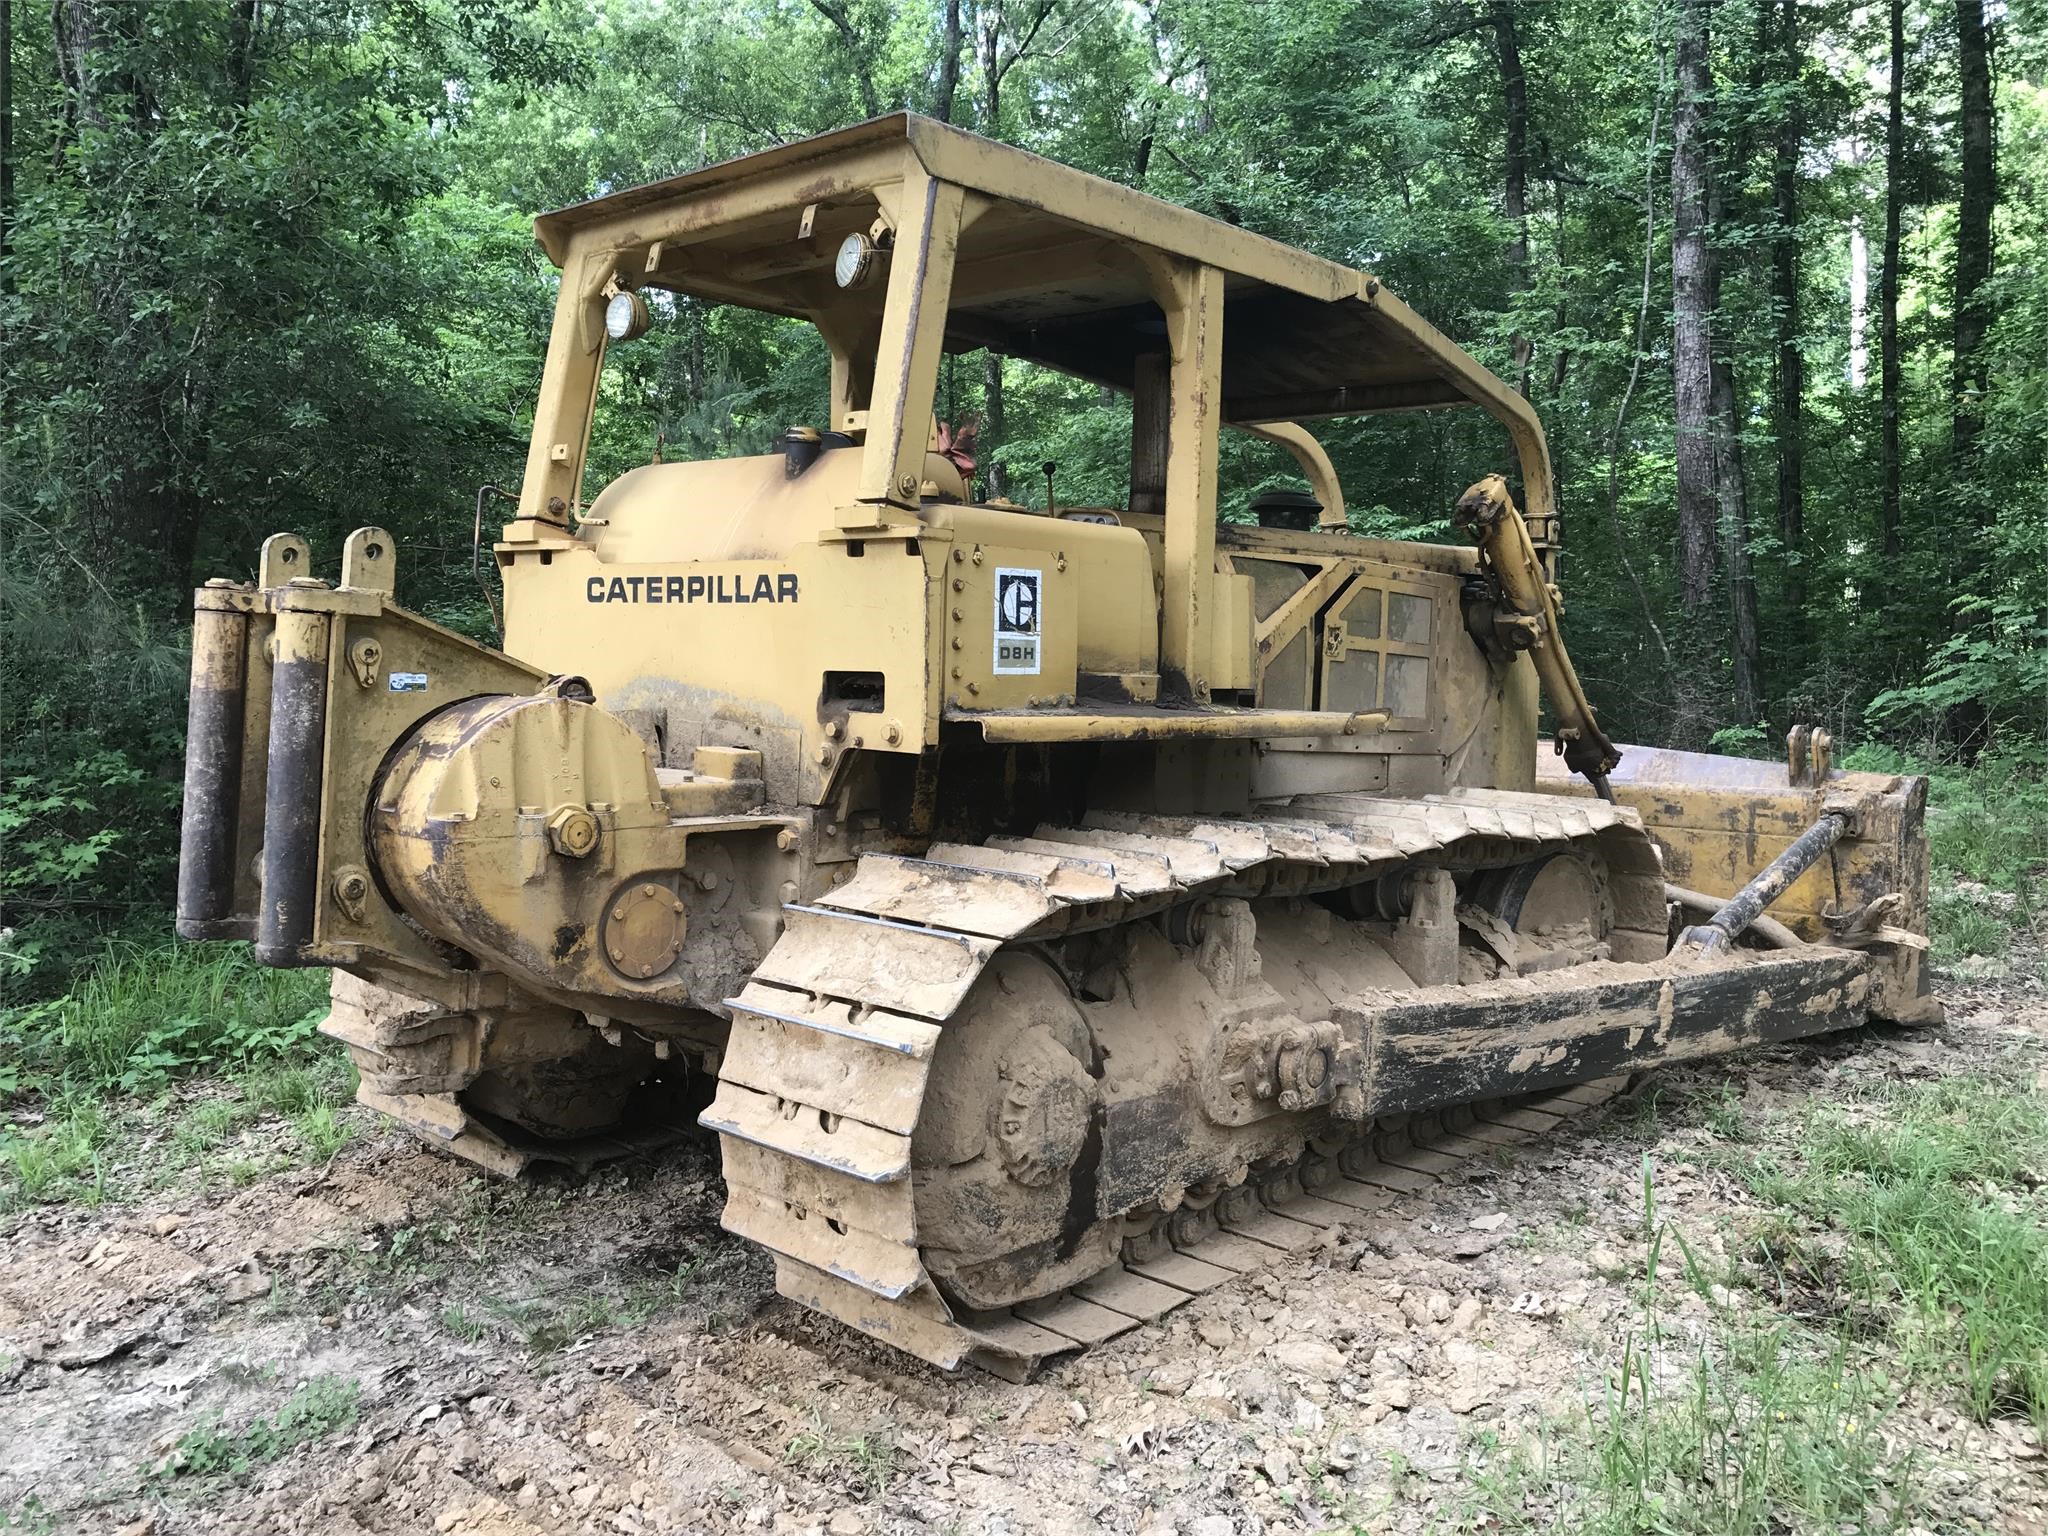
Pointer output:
x,y
626,316
855,262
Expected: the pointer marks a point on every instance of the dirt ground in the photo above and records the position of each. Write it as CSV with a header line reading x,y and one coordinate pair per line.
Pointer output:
x,y
454,1354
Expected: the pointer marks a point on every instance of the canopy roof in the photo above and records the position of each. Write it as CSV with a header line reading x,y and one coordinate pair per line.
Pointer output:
x,y
1051,268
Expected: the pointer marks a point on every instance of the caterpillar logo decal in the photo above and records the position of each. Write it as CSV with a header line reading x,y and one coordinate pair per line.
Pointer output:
x,y
764,587
1018,618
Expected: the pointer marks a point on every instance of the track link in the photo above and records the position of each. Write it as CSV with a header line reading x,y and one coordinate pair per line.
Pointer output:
x,y
823,1077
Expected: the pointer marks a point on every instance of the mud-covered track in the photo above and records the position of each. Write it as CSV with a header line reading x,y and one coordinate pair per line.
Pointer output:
x,y
1256,1229
824,1075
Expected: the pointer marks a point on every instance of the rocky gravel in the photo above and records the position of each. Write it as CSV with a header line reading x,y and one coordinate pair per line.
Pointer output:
x,y
595,1356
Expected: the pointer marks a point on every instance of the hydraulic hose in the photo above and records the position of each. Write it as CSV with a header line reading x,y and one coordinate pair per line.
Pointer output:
x,y
1488,513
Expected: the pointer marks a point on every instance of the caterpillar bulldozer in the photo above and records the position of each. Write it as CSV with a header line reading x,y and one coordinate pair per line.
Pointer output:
x,y
1062,906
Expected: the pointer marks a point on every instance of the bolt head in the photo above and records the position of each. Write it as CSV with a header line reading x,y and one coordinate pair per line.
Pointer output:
x,y
572,832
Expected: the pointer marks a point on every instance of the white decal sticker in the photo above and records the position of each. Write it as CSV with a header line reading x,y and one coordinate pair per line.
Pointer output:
x,y
1018,621
408,682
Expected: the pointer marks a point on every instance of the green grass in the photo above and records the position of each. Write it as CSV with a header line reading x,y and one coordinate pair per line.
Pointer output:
x,y
315,1409
1763,1430
1963,925
146,1014
88,1071
1987,830
1752,1428
62,1156
1934,1194
858,1461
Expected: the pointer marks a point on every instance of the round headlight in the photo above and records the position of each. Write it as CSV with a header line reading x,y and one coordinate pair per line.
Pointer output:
x,y
626,316
855,261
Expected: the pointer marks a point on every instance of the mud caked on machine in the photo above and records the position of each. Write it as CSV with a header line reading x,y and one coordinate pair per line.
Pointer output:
x,y
1071,906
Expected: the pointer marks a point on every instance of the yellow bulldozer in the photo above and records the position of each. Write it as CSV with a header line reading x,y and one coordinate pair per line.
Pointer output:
x,y
1064,907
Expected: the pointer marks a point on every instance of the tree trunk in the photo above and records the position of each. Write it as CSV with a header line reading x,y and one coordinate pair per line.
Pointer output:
x,y
1618,539
74,31
6,140
1732,508
1730,475
1973,224
841,17
1791,378
1561,359
1514,88
1891,375
949,65
244,22
1692,304
992,424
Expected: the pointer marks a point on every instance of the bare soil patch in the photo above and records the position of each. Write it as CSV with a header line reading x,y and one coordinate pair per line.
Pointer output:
x,y
391,1344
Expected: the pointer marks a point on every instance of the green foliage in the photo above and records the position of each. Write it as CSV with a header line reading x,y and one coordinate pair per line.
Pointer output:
x,y
30,1515
1743,741
1987,829
315,1409
144,1015
90,707
75,1066
1936,1187
1990,823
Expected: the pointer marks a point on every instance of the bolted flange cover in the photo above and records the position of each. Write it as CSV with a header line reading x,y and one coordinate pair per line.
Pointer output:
x,y
644,930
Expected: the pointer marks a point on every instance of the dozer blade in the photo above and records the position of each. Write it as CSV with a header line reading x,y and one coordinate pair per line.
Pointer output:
x,y
1719,821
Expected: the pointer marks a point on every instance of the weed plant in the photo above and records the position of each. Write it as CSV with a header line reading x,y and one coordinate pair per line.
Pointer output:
x,y
84,1073
315,1409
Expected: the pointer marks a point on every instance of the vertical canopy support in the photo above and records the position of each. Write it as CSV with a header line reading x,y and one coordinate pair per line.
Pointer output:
x,y
568,391
913,330
1191,298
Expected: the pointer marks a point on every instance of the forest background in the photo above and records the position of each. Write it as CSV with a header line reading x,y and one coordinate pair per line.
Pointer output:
x,y
1774,272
